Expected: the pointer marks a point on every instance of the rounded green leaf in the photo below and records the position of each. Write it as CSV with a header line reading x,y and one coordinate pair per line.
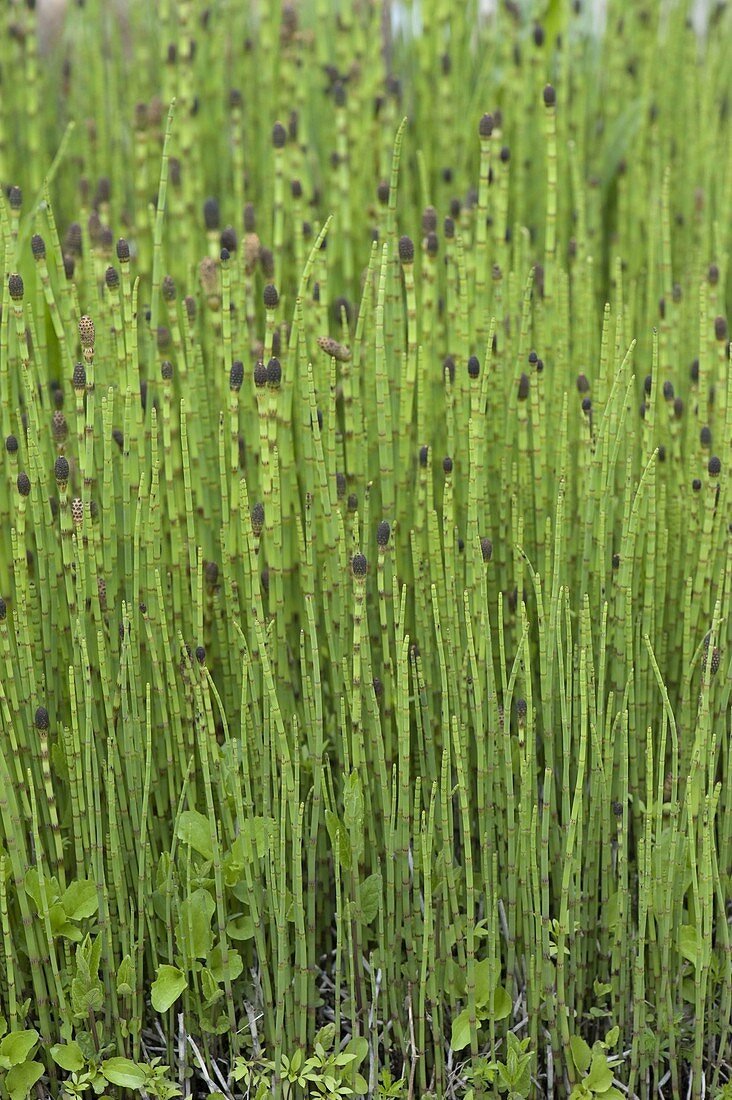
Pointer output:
x,y
612,1036
339,836
482,973
17,1046
689,943
240,928
68,1056
193,932
460,1030
211,989
21,1079
167,987
194,829
125,977
502,1004
581,1053
80,899
233,968
371,889
124,1072
325,1036
359,1048
600,1077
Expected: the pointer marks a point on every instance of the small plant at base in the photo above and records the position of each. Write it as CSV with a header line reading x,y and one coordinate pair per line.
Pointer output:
x,y
512,1076
89,1071
325,1074
254,1074
491,1002
596,1066
601,991
19,1071
390,1089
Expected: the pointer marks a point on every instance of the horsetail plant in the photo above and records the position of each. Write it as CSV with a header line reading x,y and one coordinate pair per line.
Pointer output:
x,y
366,554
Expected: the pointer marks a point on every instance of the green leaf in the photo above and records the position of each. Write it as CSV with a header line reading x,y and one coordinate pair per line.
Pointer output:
x,y
88,956
371,888
353,812
233,968
125,977
193,931
87,1046
613,1094
325,1036
339,837
505,1075
33,888
516,1073
460,1036
162,872
482,982
160,906
359,1048
167,987
17,1046
212,992
454,976
612,1036
58,761
581,1053
241,928
59,920
68,1056
262,830
297,1060
688,990
87,993
600,1077
255,836
80,899
21,1079
194,829
502,1005
67,930
124,1072
688,943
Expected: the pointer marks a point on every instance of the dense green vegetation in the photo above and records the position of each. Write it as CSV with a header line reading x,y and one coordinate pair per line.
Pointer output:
x,y
365,552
